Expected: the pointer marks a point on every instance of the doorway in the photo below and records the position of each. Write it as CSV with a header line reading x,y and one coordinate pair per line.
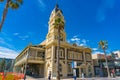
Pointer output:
x,y
77,72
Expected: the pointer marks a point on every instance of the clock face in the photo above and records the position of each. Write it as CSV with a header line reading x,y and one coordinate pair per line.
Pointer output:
x,y
59,15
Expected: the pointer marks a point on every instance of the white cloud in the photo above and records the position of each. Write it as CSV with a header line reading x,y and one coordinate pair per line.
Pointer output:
x,y
41,5
3,42
7,53
6,36
75,39
94,49
78,41
24,37
81,44
97,52
75,36
15,34
84,41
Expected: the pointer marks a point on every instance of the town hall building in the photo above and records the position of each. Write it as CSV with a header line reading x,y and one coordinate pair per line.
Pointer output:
x,y
41,59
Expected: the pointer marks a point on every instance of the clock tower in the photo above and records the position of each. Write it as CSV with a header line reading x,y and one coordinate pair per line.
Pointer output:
x,y
53,30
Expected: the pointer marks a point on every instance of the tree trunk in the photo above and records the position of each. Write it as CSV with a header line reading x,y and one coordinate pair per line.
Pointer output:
x,y
107,64
4,14
58,48
25,70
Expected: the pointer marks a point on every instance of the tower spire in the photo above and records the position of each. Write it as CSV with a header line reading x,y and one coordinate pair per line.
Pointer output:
x,y
56,5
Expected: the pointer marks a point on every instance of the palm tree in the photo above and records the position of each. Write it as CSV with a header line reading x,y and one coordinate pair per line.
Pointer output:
x,y
14,4
59,24
104,45
2,65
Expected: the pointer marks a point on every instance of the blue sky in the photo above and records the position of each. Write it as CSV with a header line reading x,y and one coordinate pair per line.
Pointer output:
x,y
87,22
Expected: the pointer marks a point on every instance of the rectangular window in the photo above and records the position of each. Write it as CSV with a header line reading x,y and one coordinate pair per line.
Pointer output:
x,y
61,54
32,53
69,68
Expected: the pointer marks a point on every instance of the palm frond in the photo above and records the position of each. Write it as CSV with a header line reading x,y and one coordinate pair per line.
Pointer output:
x,y
20,1
1,0
103,44
14,5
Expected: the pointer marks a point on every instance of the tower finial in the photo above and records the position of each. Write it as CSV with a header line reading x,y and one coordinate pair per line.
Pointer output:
x,y
56,5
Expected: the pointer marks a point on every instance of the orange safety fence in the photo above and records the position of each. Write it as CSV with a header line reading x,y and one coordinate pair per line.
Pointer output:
x,y
11,76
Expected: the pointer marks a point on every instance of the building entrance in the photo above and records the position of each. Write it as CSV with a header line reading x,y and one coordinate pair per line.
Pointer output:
x,y
77,72
35,70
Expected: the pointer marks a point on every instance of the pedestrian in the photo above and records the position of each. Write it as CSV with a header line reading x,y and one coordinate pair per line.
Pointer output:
x,y
83,76
49,76
111,74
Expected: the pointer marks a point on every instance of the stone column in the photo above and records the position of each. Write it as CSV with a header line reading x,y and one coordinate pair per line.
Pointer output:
x,y
65,72
52,61
85,61
84,56
36,53
87,71
92,70
80,72
45,66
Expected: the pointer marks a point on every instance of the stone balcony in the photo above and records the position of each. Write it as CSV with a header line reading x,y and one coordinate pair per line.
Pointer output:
x,y
31,59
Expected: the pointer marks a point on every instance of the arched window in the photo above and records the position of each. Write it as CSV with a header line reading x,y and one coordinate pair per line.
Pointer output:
x,y
89,69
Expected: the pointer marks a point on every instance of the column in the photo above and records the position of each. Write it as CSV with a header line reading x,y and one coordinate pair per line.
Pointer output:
x,y
85,61
45,66
80,72
36,54
65,74
52,59
84,57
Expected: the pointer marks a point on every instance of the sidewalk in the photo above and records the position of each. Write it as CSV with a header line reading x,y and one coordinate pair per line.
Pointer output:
x,y
94,78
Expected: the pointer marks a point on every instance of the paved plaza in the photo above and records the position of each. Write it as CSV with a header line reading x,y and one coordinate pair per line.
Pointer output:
x,y
94,78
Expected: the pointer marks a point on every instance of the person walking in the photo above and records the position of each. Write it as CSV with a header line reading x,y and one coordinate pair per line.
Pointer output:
x,y
49,76
83,76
